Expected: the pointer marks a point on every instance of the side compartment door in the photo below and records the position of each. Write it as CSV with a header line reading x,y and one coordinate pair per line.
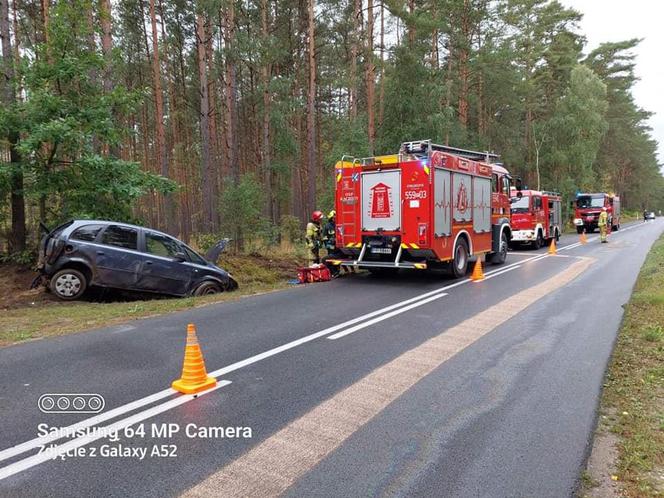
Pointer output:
x,y
481,204
442,210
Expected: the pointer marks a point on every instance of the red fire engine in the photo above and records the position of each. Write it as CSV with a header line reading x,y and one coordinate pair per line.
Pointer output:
x,y
587,208
536,217
427,206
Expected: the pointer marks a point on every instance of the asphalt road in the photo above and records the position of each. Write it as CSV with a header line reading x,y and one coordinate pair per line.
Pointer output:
x,y
500,400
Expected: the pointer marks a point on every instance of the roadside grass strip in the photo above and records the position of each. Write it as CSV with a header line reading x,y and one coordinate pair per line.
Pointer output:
x,y
274,465
632,405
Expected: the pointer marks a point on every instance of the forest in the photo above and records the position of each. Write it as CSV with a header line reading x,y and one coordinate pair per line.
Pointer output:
x,y
209,118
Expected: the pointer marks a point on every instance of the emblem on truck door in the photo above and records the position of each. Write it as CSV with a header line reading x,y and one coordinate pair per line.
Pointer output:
x,y
462,199
381,201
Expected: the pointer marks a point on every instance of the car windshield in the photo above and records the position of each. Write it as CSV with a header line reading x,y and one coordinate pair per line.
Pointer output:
x,y
590,201
521,205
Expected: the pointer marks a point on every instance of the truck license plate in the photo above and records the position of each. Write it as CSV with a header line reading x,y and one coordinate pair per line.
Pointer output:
x,y
381,250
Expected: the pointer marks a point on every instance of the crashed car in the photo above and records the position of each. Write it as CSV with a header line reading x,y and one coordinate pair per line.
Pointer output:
x,y
85,253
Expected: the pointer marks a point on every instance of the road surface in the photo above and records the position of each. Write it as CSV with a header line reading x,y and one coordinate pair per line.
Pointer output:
x,y
414,385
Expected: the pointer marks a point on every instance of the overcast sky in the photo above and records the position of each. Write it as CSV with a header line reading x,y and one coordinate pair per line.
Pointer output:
x,y
616,20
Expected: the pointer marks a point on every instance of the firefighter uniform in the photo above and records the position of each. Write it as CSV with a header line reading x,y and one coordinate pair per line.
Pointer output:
x,y
603,222
330,234
313,237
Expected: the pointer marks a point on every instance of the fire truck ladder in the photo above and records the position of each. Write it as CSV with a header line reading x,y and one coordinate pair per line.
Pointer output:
x,y
426,147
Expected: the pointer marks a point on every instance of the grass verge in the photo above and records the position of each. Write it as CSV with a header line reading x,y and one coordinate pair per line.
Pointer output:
x,y
632,406
46,318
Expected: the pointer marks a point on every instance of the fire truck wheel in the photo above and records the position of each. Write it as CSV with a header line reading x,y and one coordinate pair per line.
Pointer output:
x,y
539,241
498,258
459,265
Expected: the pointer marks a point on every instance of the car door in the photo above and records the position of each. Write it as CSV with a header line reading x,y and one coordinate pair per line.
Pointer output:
x,y
118,260
161,271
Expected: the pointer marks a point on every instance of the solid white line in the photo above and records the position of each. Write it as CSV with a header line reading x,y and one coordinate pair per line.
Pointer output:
x,y
45,456
361,326
487,277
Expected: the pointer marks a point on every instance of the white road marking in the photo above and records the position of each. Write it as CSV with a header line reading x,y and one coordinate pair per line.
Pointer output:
x,y
42,457
385,317
501,272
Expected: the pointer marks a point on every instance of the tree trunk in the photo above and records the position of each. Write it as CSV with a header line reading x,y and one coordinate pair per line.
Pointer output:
x,y
266,70
232,160
311,110
354,50
17,236
381,92
371,82
160,135
463,65
209,211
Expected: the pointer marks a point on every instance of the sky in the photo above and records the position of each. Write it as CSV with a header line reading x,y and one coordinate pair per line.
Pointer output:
x,y
617,20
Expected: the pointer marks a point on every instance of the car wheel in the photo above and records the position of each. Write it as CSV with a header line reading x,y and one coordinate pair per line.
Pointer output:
x,y
459,264
68,284
207,288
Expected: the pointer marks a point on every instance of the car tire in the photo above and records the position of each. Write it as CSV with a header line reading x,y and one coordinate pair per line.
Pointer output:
x,y
207,288
459,264
68,284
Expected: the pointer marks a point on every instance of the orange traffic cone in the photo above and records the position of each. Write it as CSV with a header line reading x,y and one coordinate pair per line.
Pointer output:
x,y
583,239
477,274
194,376
552,247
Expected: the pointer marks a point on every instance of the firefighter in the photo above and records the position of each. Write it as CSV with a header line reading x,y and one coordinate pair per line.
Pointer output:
x,y
330,233
313,238
645,215
602,222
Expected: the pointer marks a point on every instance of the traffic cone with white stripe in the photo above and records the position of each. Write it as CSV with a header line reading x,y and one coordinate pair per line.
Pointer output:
x,y
194,376
552,247
477,274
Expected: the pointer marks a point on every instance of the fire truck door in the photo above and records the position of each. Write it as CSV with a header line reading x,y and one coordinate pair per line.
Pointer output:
x,y
381,200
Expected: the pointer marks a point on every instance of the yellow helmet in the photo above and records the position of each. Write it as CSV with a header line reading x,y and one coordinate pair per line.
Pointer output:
x,y
331,214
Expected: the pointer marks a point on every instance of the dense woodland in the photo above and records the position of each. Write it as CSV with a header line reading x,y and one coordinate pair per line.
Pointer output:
x,y
225,117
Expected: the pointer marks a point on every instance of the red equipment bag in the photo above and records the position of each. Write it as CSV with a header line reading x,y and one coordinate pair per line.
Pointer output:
x,y
311,274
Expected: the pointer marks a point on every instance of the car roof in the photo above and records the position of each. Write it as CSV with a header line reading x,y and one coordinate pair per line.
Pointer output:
x,y
79,223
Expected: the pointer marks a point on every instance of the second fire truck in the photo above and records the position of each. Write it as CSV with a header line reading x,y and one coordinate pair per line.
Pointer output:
x,y
427,206
536,218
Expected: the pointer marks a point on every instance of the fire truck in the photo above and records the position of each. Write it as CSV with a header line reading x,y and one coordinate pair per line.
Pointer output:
x,y
536,217
427,206
587,208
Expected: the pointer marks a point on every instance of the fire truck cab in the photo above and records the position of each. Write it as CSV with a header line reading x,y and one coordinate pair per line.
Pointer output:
x,y
587,208
426,206
536,217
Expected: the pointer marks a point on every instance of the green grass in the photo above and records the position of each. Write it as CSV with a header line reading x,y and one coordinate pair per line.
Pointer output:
x,y
634,386
255,274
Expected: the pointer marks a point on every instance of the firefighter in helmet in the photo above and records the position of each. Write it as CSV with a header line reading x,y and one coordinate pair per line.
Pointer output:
x,y
313,237
603,222
330,233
